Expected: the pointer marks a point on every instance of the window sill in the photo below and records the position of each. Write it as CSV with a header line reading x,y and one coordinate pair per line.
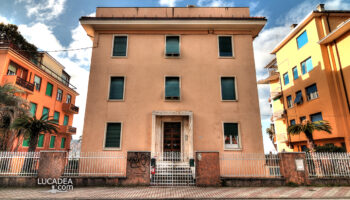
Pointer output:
x,y
229,100
119,57
226,57
172,100
111,149
236,149
115,100
312,99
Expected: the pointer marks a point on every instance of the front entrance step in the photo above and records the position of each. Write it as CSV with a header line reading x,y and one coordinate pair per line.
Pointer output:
x,y
172,174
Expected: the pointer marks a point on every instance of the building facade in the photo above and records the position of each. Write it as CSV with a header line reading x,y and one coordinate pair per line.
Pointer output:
x,y
172,80
312,82
47,89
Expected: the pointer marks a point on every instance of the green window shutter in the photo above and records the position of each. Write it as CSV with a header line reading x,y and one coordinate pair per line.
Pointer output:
x,y
49,88
113,135
56,116
41,140
116,90
172,87
172,45
32,108
63,143
120,43
52,141
25,142
228,88
65,121
46,112
225,46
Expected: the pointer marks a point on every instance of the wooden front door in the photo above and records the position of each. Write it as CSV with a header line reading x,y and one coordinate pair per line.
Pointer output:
x,y
172,136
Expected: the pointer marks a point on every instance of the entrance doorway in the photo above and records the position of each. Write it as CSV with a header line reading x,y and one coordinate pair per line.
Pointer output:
x,y
172,137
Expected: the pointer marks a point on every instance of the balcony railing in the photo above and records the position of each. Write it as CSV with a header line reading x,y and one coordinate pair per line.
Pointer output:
x,y
67,129
15,80
279,114
34,60
70,108
25,84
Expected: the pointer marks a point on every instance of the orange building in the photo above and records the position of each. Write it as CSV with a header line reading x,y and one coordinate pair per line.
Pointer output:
x,y
310,79
48,91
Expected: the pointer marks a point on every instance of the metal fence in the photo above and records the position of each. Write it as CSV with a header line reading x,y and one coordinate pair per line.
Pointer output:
x,y
19,163
95,164
250,165
328,164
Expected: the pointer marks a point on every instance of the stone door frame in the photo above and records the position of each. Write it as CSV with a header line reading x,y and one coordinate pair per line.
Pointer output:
x,y
186,130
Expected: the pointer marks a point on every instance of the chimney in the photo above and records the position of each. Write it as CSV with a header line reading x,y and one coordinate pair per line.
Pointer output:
x,y
293,26
320,7
191,6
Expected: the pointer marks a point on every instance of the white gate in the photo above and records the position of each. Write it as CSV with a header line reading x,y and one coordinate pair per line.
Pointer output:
x,y
172,169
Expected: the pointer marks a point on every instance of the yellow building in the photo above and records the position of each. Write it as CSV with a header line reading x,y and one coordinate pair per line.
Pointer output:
x,y
313,79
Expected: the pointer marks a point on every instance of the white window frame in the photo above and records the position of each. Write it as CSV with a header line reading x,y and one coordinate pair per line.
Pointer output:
x,y
165,46
109,87
232,44
121,137
239,148
175,100
41,81
127,45
236,91
67,98
61,96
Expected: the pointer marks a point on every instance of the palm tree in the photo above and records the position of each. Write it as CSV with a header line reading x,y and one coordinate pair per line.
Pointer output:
x,y
11,107
308,128
271,132
31,127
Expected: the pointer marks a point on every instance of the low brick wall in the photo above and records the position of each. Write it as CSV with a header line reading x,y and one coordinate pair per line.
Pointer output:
x,y
252,182
330,181
18,182
77,181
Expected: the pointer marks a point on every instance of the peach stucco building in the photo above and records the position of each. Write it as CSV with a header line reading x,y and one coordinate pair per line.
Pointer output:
x,y
172,80
310,79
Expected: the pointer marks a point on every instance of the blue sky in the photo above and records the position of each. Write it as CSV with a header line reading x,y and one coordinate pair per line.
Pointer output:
x,y
54,25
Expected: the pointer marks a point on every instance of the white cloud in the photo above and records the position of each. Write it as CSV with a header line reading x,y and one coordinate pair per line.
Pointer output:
x,y
75,62
4,20
168,3
41,35
215,3
43,9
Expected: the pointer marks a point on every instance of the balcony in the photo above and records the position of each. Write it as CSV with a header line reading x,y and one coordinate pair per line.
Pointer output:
x,y
279,114
67,129
16,80
276,93
70,108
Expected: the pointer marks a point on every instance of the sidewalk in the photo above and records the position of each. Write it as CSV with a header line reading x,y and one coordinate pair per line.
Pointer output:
x,y
180,193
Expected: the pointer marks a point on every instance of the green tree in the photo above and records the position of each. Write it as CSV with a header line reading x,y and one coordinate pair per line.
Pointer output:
x,y
11,107
308,129
9,35
31,127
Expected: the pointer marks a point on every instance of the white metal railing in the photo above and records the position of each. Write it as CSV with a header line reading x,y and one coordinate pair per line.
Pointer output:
x,y
328,164
249,165
312,96
95,164
19,163
172,169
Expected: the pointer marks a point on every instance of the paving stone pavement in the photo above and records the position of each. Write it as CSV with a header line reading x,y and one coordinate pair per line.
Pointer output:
x,y
179,193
